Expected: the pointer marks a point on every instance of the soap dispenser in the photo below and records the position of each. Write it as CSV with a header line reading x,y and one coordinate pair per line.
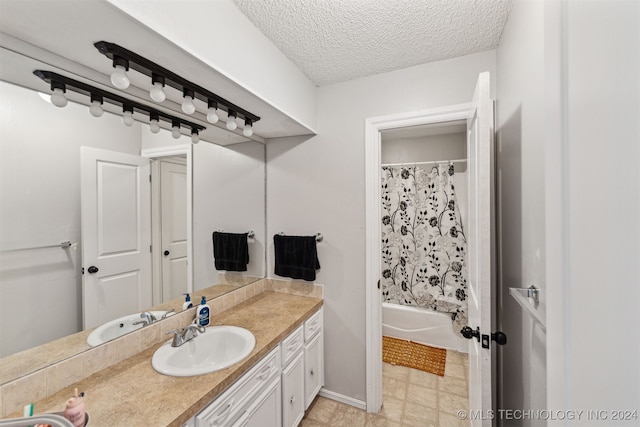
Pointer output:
x,y
202,313
187,301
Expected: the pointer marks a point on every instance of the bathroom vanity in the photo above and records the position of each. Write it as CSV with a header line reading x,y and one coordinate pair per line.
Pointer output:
x,y
278,389
276,382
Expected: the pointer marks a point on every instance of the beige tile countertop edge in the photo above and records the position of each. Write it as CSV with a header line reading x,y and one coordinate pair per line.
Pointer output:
x,y
132,393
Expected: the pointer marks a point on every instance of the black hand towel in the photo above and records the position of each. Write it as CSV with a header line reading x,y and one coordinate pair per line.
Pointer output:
x,y
230,251
296,257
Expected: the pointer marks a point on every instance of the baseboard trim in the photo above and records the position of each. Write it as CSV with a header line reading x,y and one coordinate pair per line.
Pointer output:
x,y
360,404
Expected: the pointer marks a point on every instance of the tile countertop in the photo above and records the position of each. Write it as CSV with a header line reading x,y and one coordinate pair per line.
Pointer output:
x,y
133,393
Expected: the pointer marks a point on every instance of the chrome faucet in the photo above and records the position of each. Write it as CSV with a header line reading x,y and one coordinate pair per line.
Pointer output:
x,y
149,318
185,334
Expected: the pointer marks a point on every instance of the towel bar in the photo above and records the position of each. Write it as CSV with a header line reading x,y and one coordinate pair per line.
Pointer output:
x,y
64,245
319,236
250,234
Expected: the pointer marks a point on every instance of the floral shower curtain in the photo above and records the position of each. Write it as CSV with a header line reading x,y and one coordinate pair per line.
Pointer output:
x,y
424,249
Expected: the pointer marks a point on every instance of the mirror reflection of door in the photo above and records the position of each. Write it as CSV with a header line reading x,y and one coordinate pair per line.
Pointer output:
x,y
116,235
173,224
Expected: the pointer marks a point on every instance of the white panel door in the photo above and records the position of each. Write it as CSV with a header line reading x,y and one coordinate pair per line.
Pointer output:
x,y
480,250
116,235
173,182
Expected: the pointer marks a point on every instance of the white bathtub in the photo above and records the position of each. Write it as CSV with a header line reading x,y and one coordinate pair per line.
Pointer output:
x,y
422,326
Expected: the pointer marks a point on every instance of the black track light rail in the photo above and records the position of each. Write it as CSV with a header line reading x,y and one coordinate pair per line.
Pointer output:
x,y
150,68
88,90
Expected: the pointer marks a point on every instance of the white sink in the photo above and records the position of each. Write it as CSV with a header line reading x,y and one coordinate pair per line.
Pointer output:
x,y
118,327
217,348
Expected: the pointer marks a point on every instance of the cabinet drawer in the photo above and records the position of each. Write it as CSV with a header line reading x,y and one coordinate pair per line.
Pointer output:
x,y
312,326
292,345
226,408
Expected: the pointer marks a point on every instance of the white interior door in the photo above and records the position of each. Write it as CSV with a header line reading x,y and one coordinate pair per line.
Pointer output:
x,y
173,195
116,235
480,250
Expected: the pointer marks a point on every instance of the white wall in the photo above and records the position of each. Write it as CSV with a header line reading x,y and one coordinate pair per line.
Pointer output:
x,y
594,292
229,194
521,198
40,205
451,146
317,185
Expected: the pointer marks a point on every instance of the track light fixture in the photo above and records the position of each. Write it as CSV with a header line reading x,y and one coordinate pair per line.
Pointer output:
x,y
57,97
212,112
231,121
187,104
96,105
195,138
154,122
175,129
127,115
157,88
60,84
119,76
191,91
248,128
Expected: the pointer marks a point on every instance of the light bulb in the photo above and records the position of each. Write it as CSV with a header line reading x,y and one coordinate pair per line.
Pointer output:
x,y
187,105
96,108
195,138
175,132
231,122
57,98
212,115
127,118
157,92
154,126
119,77
248,129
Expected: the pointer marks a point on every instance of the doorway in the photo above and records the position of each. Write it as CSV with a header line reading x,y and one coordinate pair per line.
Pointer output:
x,y
423,282
481,269
171,221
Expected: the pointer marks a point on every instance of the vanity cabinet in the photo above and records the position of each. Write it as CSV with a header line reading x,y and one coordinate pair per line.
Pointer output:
x,y
278,389
241,398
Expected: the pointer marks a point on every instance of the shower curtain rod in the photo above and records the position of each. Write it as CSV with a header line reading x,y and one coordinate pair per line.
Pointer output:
x,y
433,162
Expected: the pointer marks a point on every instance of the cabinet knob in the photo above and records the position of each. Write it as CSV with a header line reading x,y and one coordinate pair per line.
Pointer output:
x,y
293,399
311,371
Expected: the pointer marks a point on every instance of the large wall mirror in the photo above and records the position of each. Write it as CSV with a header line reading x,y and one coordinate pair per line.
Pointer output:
x,y
196,189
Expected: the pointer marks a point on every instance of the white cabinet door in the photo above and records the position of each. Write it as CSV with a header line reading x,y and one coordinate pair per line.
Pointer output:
x,y
266,411
293,392
313,367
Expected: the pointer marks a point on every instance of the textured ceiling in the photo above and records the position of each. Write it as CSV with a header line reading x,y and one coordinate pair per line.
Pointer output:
x,y
339,40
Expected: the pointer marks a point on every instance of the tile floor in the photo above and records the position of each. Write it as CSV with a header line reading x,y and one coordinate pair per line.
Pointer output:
x,y
410,398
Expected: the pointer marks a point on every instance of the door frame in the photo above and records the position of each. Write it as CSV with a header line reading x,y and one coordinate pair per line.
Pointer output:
x,y
185,150
373,217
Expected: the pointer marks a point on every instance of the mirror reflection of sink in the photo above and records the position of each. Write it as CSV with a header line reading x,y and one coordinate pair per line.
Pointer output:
x,y
217,348
118,327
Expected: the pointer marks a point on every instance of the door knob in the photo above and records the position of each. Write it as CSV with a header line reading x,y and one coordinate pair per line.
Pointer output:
x,y
499,337
93,269
166,253
469,333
